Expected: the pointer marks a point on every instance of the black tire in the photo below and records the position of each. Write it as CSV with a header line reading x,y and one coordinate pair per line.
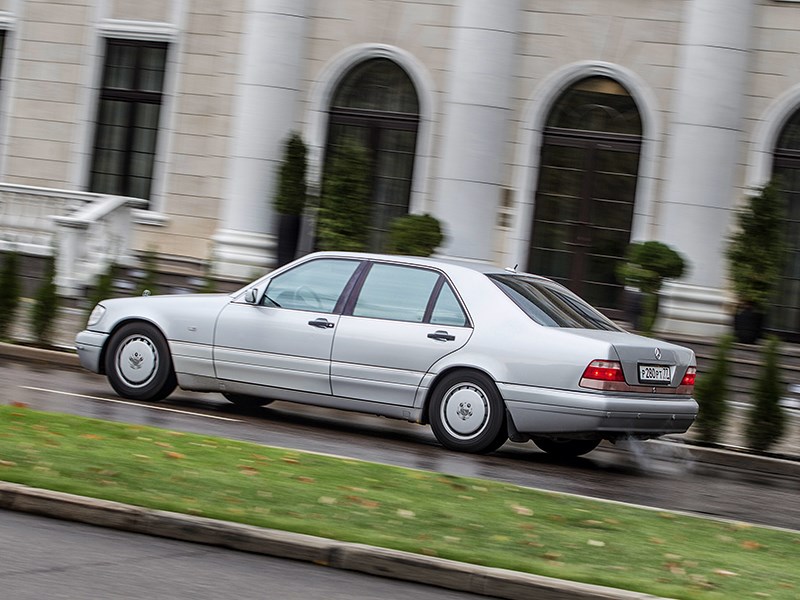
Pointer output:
x,y
138,363
246,401
467,414
564,447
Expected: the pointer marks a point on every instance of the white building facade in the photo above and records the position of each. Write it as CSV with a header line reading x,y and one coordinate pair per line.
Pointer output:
x,y
547,134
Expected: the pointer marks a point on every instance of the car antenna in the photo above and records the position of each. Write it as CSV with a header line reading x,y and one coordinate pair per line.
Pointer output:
x,y
512,269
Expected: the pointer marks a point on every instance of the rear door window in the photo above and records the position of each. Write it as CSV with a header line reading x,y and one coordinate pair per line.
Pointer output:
x,y
396,292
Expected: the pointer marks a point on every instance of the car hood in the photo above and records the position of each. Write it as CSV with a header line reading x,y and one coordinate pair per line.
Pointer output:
x,y
171,312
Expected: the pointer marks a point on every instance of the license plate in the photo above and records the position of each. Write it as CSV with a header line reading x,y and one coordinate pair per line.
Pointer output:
x,y
655,374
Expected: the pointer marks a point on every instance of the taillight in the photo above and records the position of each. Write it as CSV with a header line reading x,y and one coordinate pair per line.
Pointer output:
x,y
691,375
603,375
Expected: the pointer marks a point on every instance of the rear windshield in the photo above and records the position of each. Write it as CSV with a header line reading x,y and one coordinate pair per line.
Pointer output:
x,y
551,304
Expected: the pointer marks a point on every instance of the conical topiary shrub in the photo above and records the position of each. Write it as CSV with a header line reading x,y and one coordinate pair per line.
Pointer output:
x,y
766,419
9,292
45,305
756,255
344,212
711,393
290,197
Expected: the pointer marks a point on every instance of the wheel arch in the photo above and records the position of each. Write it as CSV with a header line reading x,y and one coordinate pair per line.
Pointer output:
x,y
119,325
424,416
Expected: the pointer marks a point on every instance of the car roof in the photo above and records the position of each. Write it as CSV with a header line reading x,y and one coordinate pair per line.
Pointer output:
x,y
438,262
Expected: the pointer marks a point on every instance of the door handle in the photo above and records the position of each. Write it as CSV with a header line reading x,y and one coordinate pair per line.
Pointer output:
x,y
322,323
442,336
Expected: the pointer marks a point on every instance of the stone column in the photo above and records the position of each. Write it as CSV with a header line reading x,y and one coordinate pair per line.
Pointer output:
x,y
476,112
704,151
265,107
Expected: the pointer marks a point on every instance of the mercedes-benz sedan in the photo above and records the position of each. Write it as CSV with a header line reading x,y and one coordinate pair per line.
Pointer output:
x,y
481,354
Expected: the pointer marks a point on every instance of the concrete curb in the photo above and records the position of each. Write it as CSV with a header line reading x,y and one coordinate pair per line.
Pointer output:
x,y
735,459
394,564
58,358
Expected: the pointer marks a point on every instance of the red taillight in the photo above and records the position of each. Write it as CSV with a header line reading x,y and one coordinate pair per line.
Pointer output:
x,y
603,370
691,375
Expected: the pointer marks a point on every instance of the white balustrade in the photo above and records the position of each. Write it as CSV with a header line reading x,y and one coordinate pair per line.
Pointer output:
x,y
84,231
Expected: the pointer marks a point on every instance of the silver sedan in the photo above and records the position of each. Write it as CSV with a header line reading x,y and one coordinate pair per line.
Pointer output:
x,y
481,354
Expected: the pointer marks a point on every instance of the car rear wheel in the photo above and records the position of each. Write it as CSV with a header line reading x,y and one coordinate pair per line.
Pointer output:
x,y
243,401
467,413
138,363
565,448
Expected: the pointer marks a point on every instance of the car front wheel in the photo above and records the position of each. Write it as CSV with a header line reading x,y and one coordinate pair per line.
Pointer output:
x,y
138,363
565,448
467,413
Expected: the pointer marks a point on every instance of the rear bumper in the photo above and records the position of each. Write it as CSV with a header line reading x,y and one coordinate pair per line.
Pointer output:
x,y
89,345
562,412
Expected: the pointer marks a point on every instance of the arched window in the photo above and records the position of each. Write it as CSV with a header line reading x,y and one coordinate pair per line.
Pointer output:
x,y
377,105
784,318
586,189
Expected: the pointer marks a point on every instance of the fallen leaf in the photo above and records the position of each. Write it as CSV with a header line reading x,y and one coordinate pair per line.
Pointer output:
x,y
521,510
750,545
552,555
175,455
596,543
725,573
406,514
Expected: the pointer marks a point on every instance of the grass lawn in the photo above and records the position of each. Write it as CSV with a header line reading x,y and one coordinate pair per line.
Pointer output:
x,y
470,520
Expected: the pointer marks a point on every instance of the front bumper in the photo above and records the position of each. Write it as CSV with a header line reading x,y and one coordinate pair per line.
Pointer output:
x,y
563,412
89,345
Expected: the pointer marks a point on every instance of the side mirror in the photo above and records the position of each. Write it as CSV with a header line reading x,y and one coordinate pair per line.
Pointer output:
x,y
251,297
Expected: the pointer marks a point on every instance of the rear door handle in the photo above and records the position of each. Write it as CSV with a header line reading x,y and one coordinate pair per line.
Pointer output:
x,y
322,323
442,336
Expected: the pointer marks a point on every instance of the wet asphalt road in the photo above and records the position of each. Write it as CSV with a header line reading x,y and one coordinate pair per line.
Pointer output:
x,y
45,558
645,474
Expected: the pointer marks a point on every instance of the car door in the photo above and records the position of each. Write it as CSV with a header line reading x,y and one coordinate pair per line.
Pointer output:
x,y
402,320
285,339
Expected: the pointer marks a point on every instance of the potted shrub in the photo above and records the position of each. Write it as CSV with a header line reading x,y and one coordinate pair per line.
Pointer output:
x,y
646,266
755,256
344,211
290,197
415,235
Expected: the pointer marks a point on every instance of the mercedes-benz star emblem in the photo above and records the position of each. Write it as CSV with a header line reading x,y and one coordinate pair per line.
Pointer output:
x,y
658,353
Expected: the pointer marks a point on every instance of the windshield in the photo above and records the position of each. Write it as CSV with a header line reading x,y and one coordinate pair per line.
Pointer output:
x,y
551,304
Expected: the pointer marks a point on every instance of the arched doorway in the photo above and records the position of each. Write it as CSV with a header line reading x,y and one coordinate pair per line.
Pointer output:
x,y
784,317
586,189
376,104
